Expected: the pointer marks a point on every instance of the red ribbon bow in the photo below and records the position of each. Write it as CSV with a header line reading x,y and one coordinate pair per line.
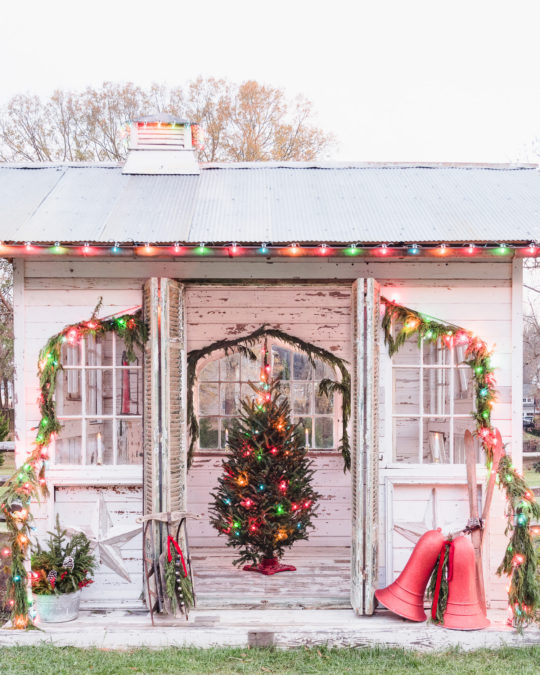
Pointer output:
x,y
172,540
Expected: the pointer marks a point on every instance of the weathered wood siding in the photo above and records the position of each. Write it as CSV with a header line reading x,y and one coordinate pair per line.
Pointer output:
x,y
477,295
319,314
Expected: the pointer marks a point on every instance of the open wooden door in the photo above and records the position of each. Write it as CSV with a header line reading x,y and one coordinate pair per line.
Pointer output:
x,y
165,452
365,454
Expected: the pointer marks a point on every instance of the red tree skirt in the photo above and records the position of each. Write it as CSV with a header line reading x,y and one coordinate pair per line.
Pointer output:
x,y
269,566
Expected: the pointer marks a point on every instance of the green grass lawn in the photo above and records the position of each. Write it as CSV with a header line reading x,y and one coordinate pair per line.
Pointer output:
x,y
8,467
59,660
532,478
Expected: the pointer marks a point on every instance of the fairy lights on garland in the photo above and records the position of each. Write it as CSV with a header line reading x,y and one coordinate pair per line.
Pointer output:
x,y
234,249
28,483
520,559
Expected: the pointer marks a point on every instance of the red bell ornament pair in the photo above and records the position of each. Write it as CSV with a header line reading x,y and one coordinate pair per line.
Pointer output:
x,y
405,596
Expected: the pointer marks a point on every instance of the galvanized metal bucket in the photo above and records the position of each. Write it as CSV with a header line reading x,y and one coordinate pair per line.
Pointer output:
x,y
57,608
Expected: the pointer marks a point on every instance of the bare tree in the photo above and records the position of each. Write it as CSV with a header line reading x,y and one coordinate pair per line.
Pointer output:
x,y
246,122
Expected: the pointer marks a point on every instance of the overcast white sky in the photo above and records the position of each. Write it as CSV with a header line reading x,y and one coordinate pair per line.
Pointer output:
x,y
393,79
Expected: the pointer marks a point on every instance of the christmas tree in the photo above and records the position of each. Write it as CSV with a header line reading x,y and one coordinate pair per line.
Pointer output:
x,y
265,500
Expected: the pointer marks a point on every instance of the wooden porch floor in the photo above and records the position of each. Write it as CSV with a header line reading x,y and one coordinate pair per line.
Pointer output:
x,y
322,580
283,629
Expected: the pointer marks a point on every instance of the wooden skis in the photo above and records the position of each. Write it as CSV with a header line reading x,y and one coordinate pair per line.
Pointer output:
x,y
476,525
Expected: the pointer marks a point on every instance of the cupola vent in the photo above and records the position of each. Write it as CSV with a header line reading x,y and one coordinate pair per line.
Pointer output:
x,y
161,144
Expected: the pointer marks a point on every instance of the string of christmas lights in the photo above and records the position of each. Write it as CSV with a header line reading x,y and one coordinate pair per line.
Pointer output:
x,y
265,249
520,559
29,483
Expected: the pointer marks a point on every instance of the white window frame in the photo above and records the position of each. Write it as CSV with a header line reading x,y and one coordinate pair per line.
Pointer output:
x,y
85,418
387,368
335,414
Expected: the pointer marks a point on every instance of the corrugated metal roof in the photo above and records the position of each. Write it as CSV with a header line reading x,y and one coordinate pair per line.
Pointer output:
x,y
304,202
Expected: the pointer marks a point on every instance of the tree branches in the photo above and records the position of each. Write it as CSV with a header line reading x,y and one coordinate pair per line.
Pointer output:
x,y
242,122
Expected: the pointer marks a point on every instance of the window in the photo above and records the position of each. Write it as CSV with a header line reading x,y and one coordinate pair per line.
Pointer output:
x,y
224,382
99,404
433,397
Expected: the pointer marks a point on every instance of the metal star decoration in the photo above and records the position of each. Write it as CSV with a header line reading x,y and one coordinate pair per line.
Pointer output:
x,y
106,539
413,530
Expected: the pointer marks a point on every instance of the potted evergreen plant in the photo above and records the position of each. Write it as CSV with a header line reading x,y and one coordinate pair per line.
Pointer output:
x,y
59,573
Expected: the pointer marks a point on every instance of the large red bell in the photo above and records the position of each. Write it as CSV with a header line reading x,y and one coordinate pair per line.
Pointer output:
x,y
463,611
406,595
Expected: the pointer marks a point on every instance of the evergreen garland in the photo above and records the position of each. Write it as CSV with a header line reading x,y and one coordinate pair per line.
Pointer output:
x,y
521,559
28,483
243,346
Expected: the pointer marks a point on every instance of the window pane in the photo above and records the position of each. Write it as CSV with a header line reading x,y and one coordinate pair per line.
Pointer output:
x,y
99,442
464,399
68,445
301,397
324,404
324,432
460,426
282,363
99,350
322,370
226,424
251,370
436,441
99,398
230,395
209,399
437,391
246,392
128,391
285,390
208,435
68,392
230,368
305,423
408,354
210,372
70,354
301,367
121,355
436,354
405,440
129,439
406,388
